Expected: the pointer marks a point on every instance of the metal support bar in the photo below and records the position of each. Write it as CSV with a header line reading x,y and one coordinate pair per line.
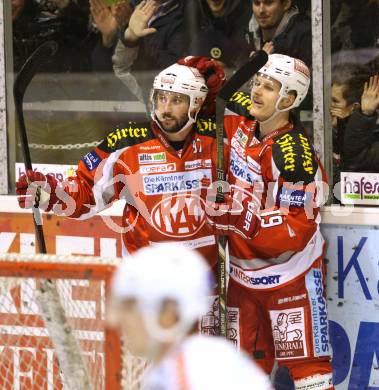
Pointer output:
x,y
3,112
321,75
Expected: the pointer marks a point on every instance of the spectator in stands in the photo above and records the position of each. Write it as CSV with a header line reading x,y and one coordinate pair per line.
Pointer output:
x,y
355,33
221,31
347,88
361,141
279,24
154,39
61,20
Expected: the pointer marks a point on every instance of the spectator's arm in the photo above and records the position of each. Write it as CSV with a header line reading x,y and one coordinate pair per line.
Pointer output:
x,y
123,59
105,22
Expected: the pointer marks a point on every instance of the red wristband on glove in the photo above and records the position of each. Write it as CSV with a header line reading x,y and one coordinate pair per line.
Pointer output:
x,y
35,188
214,75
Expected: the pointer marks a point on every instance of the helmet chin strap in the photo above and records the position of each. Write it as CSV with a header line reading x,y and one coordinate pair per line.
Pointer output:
x,y
276,112
179,135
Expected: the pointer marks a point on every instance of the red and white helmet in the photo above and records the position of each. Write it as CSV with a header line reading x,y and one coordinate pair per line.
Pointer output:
x,y
181,79
292,74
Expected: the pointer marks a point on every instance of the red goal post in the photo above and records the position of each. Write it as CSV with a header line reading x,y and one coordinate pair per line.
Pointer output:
x,y
30,357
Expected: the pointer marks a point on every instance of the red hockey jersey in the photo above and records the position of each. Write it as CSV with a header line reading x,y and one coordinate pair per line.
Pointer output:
x,y
162,187
283,173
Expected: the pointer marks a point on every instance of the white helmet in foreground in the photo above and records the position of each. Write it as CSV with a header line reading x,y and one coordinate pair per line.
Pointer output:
x,y
292,74
163,272
181,79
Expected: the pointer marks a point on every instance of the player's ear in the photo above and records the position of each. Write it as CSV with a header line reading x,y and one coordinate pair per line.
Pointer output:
x,y
288,100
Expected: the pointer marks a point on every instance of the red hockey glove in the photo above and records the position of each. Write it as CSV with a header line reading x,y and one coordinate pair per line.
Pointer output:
x,y
34,188
233,216
214,76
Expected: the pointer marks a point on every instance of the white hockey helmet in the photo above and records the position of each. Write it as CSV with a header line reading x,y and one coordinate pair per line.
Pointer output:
x,y
181,79
292,74
160,272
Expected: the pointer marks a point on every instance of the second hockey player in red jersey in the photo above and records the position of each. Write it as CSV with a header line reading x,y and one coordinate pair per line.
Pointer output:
x,y
276,300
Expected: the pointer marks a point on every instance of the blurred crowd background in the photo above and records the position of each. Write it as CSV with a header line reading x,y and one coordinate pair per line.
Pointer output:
x,y
103,72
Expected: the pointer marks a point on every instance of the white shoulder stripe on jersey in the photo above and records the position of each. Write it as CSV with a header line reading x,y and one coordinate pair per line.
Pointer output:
x,y
103,190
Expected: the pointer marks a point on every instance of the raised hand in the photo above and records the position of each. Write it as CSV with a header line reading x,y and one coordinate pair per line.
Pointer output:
x,y
370,96
105,21
138,23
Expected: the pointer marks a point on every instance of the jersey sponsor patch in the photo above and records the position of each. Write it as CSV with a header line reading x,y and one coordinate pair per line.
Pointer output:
x,y
240,103
196,164
293,155
206,125
91,160
239,169
149,158
126,132
254,166
179,216
171,167
288,330
314,285
241,137
175,182
244,278
289,197
238,148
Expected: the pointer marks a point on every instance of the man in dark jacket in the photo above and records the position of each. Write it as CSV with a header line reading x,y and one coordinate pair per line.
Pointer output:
x,y
220,31
279,24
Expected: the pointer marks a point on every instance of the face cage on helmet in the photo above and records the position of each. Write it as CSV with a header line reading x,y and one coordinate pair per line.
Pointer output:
x,y
192,106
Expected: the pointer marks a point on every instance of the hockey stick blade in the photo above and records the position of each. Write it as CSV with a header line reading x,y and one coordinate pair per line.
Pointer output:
x,y
243,74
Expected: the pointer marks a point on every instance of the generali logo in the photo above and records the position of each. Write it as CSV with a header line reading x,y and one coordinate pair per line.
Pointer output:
x,y
179,216
289,333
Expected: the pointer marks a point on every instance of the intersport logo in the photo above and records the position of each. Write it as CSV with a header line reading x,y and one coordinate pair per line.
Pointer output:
x,y
179,216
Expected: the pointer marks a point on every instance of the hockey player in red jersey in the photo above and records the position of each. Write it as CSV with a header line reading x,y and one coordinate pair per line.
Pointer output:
x,y
276,298
157,166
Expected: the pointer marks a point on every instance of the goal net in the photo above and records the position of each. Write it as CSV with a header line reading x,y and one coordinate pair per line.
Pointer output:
x,y
53,333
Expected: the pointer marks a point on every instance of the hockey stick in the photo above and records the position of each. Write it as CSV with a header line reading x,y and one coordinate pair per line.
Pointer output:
x,y
68,352
234,83
40,56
